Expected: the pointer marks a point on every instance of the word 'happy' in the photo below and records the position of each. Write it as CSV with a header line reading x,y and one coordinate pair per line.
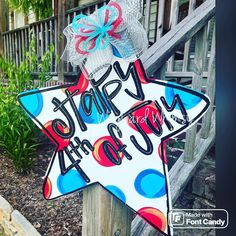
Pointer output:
x,y
101,98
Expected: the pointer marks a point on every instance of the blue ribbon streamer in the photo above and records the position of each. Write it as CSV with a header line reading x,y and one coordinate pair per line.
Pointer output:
x,y
99,31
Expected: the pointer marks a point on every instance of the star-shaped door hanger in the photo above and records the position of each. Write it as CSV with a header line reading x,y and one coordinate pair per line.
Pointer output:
x,y
111,130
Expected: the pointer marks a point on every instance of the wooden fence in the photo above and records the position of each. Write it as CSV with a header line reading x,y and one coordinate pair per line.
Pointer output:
x,y
196,35
156,15
16,42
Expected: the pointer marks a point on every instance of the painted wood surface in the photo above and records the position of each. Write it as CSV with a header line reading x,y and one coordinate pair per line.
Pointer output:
x,y
104,214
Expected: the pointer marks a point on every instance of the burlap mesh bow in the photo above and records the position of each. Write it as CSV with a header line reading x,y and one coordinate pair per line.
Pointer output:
x,y
114,29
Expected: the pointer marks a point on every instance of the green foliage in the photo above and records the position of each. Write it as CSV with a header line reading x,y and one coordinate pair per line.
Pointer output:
x,y
17,131
17,134
41,8
44,66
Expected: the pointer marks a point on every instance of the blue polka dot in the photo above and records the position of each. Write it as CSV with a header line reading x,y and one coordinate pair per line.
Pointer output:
x,y
189,100
117,192
116,52
70,182
94,117
150,183
33,103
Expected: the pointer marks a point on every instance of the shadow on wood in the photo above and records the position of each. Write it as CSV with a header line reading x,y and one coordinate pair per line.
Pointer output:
x,y
104,214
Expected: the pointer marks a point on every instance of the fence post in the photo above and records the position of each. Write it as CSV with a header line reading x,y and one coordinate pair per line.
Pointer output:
x,y
173,22
201,38
210,90
147,16
160,19
3,22
104,214
60,38
192,5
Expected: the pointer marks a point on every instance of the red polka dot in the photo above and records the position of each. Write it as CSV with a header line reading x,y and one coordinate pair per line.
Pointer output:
x,y
81,86
147,111
99,154
47,189
54,137
164,152
154,216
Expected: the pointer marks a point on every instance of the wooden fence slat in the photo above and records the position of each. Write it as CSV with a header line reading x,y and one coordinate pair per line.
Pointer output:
x,y
51,42
103,214
20,48
60,38
42,39
37,45
159,33
209,28
30,34
4,43
192,5
23,44
210,91
173,22
56,41
34,37
46,39
184,74
11,47
196,85
6,48
27,37
147,16
16,49
141,7
205,46
160,18
159,52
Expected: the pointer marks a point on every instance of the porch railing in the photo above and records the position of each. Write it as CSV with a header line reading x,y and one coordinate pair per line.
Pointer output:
x,y
155,17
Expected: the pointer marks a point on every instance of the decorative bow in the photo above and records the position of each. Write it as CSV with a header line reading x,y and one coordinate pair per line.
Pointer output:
x,y
93,40
94,35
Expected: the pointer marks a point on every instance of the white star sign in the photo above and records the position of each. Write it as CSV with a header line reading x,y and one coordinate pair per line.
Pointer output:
x,y
111,130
